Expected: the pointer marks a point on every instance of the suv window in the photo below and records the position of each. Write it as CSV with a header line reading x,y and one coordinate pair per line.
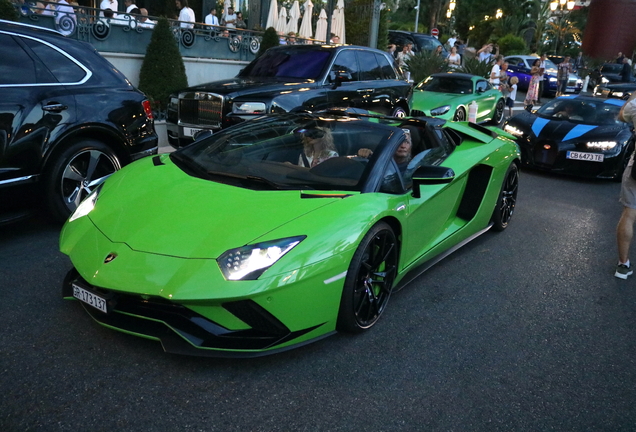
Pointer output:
x,y
62,67
387,70
17,66
369,67
346,61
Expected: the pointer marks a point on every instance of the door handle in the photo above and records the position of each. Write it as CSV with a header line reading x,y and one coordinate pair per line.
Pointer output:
x,y
54,107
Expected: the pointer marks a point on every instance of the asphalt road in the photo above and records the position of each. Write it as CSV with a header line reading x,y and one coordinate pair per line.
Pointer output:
x,y
524,330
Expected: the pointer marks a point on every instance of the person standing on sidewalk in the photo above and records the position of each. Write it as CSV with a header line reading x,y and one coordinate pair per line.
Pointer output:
x,y
625,228
542,60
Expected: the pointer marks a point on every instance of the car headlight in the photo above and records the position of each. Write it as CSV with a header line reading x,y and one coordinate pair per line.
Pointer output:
x,y
513,130
602,145
249,108
440,110
87,205
604,80
553,80
249,262
617,94
579,82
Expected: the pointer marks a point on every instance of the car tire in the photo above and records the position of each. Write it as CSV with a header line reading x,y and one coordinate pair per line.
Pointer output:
x,y
76,172
460,114
507,199
399,112
498,115
369,280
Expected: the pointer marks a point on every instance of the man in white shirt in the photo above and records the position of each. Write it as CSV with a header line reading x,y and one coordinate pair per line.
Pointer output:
x,y
229,19
144,21
186,15
496,71
211,18
65,18
130,5
109,4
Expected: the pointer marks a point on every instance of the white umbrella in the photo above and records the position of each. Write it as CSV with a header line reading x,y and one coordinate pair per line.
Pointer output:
x,y
294,16
305,25
321,27
338,21
281,25
272,16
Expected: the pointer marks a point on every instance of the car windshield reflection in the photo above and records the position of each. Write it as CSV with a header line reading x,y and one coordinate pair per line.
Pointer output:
x,y
288,152
288,64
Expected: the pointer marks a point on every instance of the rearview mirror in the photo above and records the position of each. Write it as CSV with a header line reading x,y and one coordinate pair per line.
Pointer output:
x,y
431,175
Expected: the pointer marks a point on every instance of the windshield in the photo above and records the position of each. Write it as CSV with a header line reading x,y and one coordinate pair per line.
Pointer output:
x,y
288,64
288,152
447,85
582,111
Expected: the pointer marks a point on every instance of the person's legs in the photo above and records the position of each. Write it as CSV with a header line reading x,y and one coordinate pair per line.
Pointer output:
x,y
625,232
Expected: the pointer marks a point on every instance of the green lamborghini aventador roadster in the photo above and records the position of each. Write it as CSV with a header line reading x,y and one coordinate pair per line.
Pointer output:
x,y
282,230
449,95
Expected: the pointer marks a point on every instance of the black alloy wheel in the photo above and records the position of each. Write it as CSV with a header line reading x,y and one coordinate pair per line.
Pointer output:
x,y
369,280
507,199
499,112
76,172
460,114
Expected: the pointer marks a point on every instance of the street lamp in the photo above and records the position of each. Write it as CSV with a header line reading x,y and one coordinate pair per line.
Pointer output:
x,y
498,14
563,6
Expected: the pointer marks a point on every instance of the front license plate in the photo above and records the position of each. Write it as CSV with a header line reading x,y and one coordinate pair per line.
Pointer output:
x,y
190,131
592,157
569,90
90,298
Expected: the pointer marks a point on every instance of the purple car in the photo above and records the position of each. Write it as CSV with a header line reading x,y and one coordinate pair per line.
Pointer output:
x,y
520,65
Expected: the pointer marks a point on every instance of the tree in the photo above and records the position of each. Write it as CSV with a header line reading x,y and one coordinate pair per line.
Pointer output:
x,y
424,64
8,11
162,71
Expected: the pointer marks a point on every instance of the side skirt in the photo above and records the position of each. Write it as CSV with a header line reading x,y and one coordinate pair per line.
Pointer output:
x,y
417,271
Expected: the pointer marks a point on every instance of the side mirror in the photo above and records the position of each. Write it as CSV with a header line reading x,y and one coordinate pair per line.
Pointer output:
x,y
202,134
338,77
431,175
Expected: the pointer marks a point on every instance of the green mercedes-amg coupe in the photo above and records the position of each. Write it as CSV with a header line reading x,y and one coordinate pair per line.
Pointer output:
x,y
282,230
448,96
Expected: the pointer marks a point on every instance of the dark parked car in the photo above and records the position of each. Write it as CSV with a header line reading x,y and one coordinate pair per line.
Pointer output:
x,y
615,90
608,73
291,78
68,119
520,66
578,135
420,41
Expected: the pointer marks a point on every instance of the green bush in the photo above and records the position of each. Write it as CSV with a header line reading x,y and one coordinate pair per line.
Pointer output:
x,y
476,67
162,72
8,11
270,40
511,44
425,63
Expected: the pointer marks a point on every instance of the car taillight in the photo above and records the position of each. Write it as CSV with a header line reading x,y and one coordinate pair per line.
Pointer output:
x,y
147,109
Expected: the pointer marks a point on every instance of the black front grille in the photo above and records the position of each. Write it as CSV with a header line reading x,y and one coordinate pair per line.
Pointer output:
x,y
206,110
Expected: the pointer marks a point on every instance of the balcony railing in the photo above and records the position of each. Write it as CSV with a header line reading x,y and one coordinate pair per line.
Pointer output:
x,y
127,33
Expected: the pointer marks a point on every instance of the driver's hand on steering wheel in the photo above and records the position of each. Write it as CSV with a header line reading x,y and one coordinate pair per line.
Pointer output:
x,y
365,153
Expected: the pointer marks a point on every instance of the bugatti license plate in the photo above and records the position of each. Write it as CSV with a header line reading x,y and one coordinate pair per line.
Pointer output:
x,y
592,157
90,298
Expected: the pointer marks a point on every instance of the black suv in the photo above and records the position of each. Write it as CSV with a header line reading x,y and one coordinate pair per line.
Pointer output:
x,y
68,119
420,41
287,78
